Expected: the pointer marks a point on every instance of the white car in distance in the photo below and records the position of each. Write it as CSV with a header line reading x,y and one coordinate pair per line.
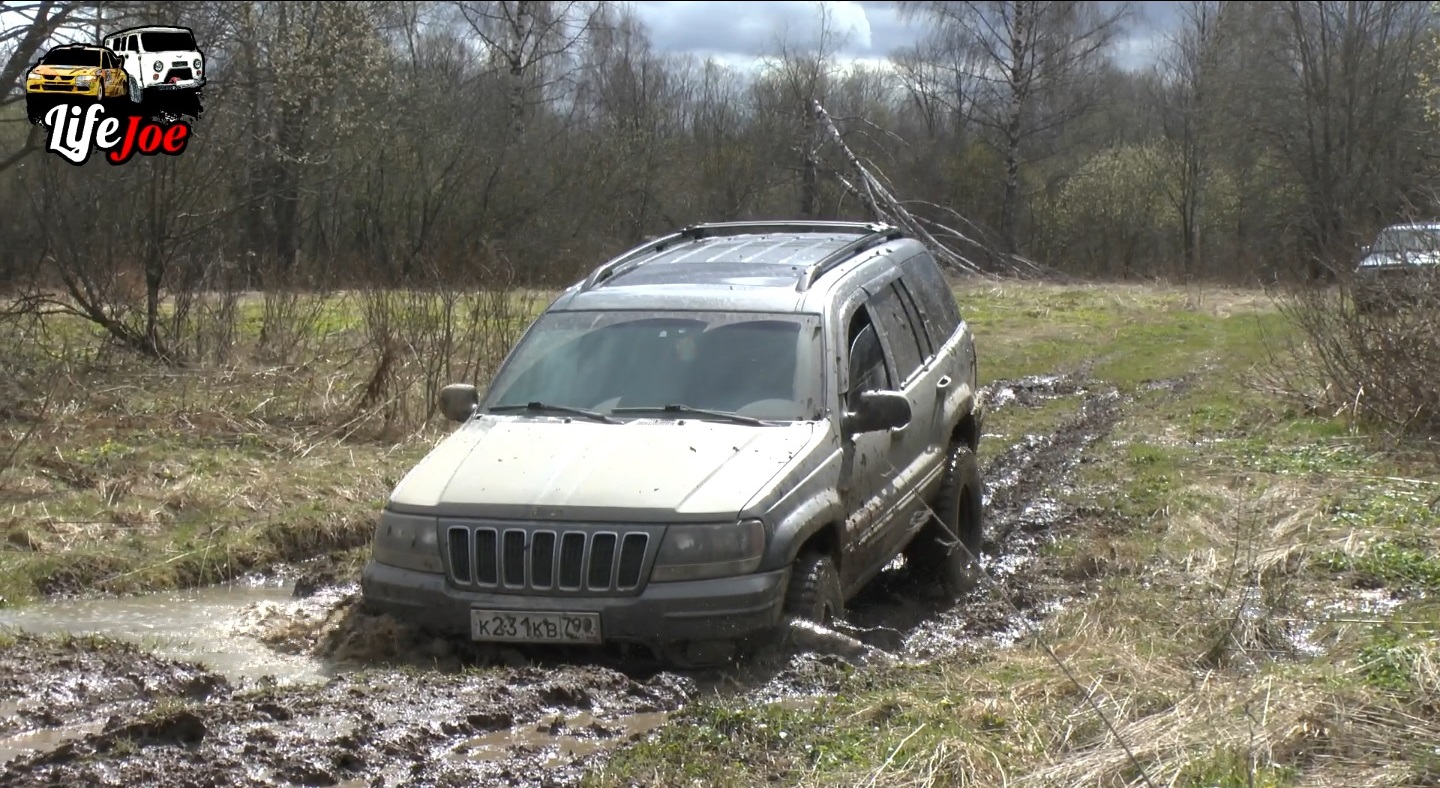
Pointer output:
x,y
160,58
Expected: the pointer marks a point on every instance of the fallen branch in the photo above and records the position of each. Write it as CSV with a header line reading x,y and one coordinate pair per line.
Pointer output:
x,y
884,206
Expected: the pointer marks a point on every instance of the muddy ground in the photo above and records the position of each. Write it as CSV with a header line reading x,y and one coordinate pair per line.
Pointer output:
x,y
412,709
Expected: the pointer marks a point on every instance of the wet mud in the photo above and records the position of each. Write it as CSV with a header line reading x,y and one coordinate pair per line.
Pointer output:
x,y
399,707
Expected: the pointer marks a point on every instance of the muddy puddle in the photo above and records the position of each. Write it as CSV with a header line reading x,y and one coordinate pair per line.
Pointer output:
x,y
363,700
215,627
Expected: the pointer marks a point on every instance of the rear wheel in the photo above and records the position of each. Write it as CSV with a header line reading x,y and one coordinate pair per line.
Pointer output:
x,y
814,592
947,549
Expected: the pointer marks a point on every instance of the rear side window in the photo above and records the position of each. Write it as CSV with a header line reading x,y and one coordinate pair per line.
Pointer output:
x,y
906,349
938,311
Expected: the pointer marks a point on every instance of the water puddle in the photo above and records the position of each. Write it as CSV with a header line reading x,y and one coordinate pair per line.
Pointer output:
x,y
45,739
206,625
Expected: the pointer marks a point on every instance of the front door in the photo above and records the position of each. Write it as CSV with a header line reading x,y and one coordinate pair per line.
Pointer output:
x,y
912,454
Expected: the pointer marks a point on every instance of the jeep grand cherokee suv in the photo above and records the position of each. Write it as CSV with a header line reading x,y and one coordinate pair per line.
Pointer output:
x,y
715,430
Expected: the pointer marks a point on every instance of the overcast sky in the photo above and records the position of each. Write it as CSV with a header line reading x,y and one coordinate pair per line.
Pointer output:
x,y
742,31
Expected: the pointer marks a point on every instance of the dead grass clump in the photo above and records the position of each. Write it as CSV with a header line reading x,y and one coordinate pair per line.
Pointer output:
x,y
1368,357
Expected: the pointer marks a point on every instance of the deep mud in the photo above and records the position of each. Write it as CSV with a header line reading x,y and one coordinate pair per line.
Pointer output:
x,y
409,708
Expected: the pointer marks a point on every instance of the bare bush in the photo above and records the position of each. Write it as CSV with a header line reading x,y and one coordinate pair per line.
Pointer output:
x,y
1368,349
420,339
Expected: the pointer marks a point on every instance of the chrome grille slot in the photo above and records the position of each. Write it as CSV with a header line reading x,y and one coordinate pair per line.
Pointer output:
x,y
572,560
513,558
602,561
542,559
632,560
460,555
487,557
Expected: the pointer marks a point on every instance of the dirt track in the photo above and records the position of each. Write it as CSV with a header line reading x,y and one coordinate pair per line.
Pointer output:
x,y
109,715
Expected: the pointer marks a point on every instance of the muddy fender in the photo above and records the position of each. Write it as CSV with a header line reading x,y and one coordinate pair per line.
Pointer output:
x,y
803,522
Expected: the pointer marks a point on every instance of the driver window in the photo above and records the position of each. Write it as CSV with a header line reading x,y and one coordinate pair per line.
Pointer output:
x,y
867,359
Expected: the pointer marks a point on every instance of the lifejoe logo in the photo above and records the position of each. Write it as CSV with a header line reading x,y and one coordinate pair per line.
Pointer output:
x,y
129,95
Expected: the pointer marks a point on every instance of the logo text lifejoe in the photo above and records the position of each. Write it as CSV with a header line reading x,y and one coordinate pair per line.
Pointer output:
x,y
73,131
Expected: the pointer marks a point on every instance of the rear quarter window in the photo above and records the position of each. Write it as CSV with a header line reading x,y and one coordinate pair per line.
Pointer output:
x,y
938,311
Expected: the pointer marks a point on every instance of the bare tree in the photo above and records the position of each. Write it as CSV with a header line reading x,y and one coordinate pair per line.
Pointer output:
x,y
1035,60
803,72
1189,72
1334,99
29,28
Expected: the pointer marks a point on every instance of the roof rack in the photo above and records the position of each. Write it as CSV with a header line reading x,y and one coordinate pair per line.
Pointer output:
x,y
819,268
695,232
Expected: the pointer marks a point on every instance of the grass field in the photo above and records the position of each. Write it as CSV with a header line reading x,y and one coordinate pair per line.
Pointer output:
x,y
1250,587
278,443
1251,604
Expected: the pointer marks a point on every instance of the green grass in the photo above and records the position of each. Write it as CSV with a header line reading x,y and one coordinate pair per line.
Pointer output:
x,y
1254,609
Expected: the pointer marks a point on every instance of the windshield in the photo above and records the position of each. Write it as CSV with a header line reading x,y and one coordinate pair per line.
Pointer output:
x,y
162,42
759,365
72,57
1401,241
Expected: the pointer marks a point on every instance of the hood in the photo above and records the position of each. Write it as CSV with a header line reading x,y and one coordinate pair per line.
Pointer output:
x,y
1392,259
66,71
641,471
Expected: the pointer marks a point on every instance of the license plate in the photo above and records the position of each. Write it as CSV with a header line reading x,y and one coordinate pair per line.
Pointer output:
x,y
514,627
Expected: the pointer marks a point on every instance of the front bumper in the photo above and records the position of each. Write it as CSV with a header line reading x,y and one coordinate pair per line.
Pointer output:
x,y
184,84
45,91
701,610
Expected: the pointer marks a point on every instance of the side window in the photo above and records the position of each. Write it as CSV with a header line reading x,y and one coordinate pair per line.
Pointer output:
x,y
897,333
867,359
933,297
917,322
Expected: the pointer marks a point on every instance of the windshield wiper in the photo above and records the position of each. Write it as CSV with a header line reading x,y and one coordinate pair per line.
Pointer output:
x,y
687,409
540,407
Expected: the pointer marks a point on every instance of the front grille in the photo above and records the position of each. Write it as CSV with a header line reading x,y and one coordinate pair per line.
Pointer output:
x,y
180,73
547,560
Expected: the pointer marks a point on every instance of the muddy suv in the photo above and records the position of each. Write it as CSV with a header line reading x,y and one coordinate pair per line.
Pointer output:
x,y
723,427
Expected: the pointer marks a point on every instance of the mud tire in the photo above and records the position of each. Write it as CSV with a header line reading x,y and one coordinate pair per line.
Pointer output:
x,y
958,511
814,593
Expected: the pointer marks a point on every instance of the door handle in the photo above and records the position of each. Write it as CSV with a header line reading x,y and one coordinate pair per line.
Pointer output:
x,y
943,383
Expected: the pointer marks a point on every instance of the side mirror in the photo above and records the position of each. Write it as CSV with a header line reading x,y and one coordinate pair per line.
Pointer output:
x,y
458,401
877,410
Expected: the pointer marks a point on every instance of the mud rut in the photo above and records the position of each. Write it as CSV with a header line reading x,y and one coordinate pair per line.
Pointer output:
x,y
116,716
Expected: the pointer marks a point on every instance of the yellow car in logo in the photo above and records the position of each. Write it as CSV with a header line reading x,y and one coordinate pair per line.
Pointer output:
x,y
76,73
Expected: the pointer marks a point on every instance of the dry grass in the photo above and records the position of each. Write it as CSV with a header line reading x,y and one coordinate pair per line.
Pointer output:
x,y
277,441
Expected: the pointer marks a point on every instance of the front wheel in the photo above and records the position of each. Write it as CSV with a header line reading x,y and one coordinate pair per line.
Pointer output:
x,y
948,547
814,592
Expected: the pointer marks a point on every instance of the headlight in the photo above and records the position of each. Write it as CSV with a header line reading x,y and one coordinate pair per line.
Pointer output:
x,y
84,81
158,66
698,552
196,64
409,542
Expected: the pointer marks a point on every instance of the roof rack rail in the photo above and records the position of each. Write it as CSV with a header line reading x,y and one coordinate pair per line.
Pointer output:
x,y
869,232
714,229
609,268
819,268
